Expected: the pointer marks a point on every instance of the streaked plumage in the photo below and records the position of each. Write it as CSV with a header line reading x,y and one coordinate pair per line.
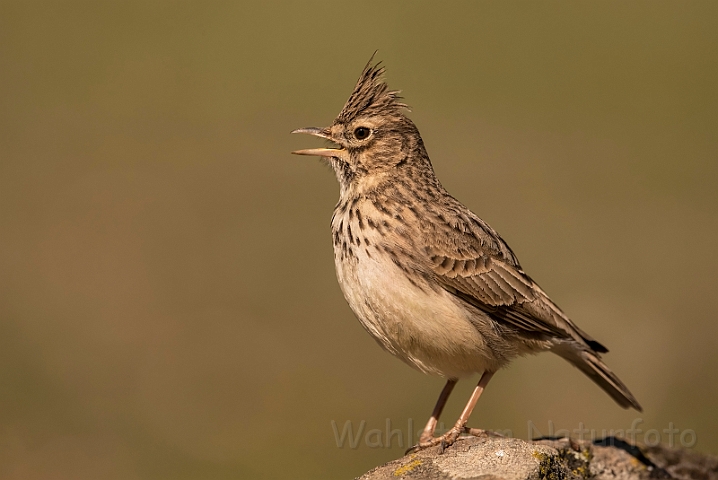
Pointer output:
x,y
433,283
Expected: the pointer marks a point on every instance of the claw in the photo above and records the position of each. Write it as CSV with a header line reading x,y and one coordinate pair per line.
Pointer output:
x,y
412,449
449,438
478,432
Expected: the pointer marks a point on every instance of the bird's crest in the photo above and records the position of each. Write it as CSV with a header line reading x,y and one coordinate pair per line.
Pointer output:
x,y
371,96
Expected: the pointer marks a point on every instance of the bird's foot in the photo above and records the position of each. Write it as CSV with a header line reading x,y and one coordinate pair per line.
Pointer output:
x,y
446,440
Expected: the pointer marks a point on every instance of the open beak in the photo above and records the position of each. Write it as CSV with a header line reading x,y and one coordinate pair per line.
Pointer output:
x,y
321,152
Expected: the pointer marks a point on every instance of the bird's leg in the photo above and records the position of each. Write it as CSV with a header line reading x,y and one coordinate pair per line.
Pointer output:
x,y
430,427
448,439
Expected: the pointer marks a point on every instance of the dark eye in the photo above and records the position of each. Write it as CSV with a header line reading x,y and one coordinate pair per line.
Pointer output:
x,y
361,133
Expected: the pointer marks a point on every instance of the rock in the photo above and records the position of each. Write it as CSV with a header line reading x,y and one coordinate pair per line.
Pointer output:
x,y
489,458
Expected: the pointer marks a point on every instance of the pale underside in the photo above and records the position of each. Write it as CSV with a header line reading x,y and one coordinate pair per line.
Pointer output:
x,y
420,322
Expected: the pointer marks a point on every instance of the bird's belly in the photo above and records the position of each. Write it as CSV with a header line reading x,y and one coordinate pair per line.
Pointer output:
x,y
423,326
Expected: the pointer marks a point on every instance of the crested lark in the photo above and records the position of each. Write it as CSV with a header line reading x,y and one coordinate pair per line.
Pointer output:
x,y
429,280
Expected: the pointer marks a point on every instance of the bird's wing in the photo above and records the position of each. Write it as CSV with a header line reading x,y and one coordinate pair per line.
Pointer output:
x,y
473,262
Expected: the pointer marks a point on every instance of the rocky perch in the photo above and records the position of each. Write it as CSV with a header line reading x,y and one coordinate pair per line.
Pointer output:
x,y
555,459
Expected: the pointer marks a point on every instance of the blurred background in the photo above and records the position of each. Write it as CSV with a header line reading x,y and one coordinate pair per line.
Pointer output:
x,y
168,303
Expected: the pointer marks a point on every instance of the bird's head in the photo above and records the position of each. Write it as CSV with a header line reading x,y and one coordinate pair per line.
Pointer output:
x,y
372,136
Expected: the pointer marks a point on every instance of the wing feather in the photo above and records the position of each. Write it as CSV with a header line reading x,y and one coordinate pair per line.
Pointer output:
x,y
472,261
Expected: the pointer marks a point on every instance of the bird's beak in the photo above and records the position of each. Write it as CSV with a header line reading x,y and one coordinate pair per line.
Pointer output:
x,y
321,152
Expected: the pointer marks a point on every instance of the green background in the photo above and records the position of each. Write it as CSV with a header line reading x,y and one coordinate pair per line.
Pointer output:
x,y
168,304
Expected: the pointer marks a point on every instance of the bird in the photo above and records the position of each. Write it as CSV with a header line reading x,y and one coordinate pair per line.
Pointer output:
x,y
429,280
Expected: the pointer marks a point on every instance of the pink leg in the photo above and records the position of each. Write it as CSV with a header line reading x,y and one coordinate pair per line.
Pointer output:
x,y
428,432
450,437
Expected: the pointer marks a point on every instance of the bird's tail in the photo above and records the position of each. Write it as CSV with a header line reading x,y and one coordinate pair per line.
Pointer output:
x,y
590,363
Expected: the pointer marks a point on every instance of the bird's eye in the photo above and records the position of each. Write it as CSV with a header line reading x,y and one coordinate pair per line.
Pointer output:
x,y
361,133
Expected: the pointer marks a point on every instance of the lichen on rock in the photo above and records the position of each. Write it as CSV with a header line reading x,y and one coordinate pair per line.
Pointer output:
x,y
549,458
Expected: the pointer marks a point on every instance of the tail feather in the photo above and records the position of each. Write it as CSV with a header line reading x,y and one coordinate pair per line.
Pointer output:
x,y
590,363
